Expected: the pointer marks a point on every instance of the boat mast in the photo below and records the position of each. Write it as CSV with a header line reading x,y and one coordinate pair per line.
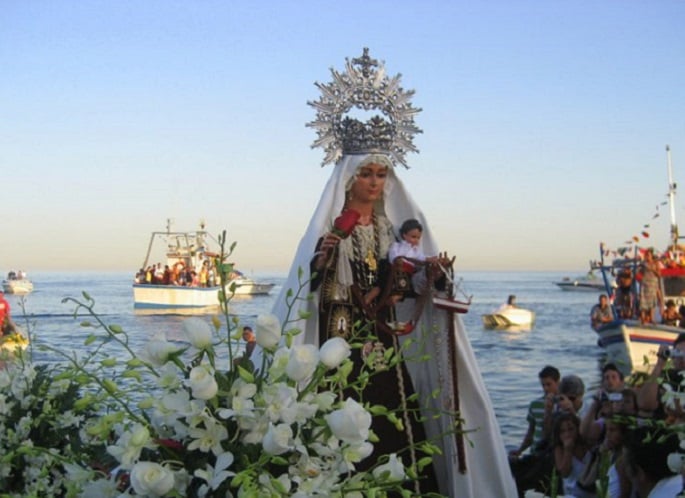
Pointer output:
x,y
671,199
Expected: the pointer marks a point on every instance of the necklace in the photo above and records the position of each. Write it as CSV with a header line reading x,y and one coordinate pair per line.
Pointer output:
x,y
366,246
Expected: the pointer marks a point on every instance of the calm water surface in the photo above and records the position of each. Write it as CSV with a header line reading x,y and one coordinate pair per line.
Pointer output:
x,y
509,361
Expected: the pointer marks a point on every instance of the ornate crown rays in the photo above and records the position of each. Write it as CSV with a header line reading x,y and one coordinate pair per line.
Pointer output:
x,y
364,85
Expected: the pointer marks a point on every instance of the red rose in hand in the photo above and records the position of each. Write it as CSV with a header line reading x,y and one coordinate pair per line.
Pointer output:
x,y
345,223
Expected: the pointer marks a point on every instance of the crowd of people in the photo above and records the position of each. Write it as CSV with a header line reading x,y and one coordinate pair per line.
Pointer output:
x,y
621,435
178,274
639,296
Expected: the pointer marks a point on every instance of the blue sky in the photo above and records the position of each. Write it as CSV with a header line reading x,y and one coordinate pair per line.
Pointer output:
x,y
544,122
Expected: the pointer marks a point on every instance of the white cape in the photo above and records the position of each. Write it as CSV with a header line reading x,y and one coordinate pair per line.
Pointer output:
x,y
488,473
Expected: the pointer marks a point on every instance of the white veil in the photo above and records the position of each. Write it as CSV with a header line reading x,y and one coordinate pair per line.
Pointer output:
x,y
488,472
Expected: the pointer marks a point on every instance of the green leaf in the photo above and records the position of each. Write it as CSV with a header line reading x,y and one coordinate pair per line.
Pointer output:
x,y
424,462
304,314
378,410
278,486
84,402
245,375
90,339
116,329
110,386
109,362
226,268
132,374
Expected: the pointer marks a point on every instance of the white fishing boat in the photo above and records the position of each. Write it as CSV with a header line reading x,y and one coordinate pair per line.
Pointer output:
x,y
630,344
591,282
187,281
509,317
17,283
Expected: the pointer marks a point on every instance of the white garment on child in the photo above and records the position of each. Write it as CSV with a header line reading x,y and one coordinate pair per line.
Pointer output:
x,y
404,249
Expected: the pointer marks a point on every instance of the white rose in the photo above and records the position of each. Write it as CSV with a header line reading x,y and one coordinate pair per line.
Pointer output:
x,y
302,362
676,462
203,383
268,331
149,478
324,400
334,351
198,332
157,351
393,467
277,439
350,423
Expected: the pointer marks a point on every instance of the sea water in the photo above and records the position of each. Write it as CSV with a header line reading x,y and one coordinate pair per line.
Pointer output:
x,y
509,361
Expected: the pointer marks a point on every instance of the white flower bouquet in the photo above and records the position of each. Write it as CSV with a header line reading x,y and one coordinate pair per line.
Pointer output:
x,y
184,421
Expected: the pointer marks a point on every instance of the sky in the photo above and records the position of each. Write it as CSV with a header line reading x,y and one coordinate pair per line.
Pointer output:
x,y
544,124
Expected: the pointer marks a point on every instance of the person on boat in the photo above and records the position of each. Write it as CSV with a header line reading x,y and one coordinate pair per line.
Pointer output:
x,y
601,313
510,304
624,295
6,324
348,275
650,287
670,315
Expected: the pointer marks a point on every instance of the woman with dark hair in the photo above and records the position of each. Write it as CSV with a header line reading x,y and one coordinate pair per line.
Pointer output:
x,y
571,454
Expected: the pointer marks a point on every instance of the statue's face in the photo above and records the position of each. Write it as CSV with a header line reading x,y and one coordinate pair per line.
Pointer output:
x,y
369,183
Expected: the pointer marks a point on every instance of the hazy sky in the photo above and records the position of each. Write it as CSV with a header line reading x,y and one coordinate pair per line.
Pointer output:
x,y
545,123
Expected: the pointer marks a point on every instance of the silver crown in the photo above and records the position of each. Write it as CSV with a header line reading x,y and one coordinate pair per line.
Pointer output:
x,y
364,85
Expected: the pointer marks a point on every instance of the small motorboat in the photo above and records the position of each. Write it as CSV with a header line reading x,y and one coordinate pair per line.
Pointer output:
x,y
509,317
241,285
17,283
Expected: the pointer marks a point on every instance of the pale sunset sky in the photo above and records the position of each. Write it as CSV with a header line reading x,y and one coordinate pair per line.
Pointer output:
x,y
544,124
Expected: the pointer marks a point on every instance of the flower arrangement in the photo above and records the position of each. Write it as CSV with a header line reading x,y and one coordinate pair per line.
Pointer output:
x,y
177,421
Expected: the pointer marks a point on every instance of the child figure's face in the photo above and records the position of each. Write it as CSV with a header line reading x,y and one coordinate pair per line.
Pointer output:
x,y
413,236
